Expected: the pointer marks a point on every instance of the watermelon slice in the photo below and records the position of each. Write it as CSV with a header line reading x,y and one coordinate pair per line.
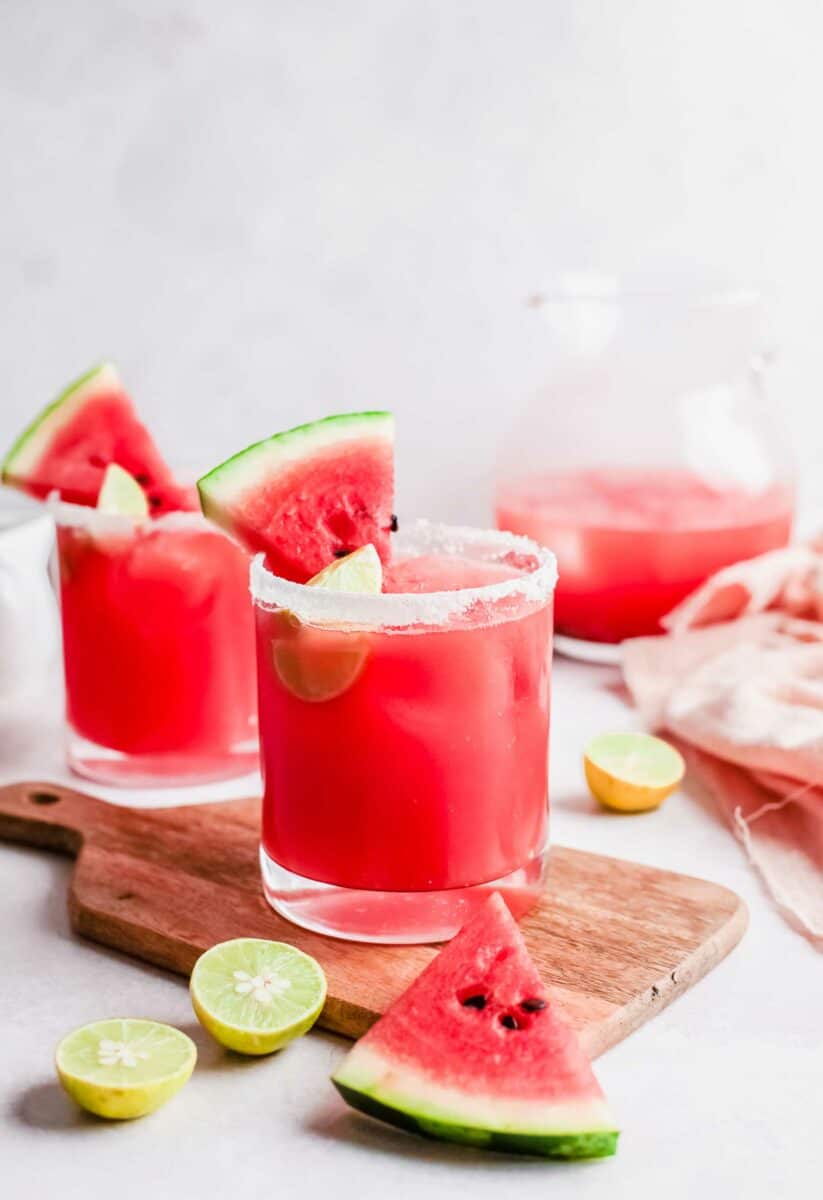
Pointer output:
x,y
473,1052
309,495
71,442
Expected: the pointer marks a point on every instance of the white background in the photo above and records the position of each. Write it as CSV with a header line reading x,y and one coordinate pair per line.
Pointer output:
x,y
269,210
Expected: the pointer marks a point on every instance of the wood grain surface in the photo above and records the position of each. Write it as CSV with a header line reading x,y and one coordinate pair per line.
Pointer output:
x,y
614,941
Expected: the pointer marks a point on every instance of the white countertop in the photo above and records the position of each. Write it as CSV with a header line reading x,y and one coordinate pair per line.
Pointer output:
x,y
720,1095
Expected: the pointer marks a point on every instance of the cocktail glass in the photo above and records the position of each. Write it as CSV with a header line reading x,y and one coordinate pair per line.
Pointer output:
x,y
404,738
158,648
654,455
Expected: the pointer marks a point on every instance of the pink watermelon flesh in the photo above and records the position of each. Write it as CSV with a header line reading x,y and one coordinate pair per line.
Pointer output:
x,y
302,514
474,1052
106,429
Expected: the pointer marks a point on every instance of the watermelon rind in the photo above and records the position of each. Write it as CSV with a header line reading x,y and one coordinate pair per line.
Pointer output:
x,y
32,442
439,1061
402,1096
250,468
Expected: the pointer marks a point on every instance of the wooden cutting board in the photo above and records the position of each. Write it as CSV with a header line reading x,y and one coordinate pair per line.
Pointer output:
x,y
615,941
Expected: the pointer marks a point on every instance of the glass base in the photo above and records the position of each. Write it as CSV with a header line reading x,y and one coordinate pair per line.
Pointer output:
x,y
604,653
393,917
105,765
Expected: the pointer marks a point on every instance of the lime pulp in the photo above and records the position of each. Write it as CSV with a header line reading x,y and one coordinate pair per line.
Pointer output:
x,y
254,996
317,664
360,571
632,772
124,1067
121,493
636,758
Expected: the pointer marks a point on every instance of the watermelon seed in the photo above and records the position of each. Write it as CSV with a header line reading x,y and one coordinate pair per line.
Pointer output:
x,y
532,1005
477,1001
395,524
342,552
155,501
508,1021
143,479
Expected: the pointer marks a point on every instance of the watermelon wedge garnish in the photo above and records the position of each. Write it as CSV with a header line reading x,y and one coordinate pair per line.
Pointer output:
x,y
309,495
474,1052
70,443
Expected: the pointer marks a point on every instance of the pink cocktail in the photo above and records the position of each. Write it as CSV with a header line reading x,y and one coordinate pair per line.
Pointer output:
x,y
632,543
405,737
158,644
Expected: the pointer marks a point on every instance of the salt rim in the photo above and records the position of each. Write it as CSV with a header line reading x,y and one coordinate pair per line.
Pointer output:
x,y
398,610
83,516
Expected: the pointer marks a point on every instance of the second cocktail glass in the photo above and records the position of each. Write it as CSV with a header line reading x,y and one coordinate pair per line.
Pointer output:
x,y
404,737
158,648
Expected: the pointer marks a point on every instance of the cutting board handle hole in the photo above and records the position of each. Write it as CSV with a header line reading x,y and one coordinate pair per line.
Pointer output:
x,y
44,798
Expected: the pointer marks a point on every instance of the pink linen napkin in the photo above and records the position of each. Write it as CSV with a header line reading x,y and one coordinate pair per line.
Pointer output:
x,y
739,681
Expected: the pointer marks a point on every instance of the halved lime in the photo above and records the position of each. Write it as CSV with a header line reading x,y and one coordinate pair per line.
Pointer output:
x,y
632,772
321,664
317,665
124,1068
254,996
121,493
360,571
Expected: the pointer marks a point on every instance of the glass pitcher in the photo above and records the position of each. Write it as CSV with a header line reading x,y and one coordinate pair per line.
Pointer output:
x,y
654,454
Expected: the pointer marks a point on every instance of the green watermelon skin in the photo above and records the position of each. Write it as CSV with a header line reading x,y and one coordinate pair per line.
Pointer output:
x,y
309,495
473,1052
91,424
559,1145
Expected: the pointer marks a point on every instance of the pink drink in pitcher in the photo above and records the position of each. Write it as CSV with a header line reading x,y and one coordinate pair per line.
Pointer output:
x,y
632,543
